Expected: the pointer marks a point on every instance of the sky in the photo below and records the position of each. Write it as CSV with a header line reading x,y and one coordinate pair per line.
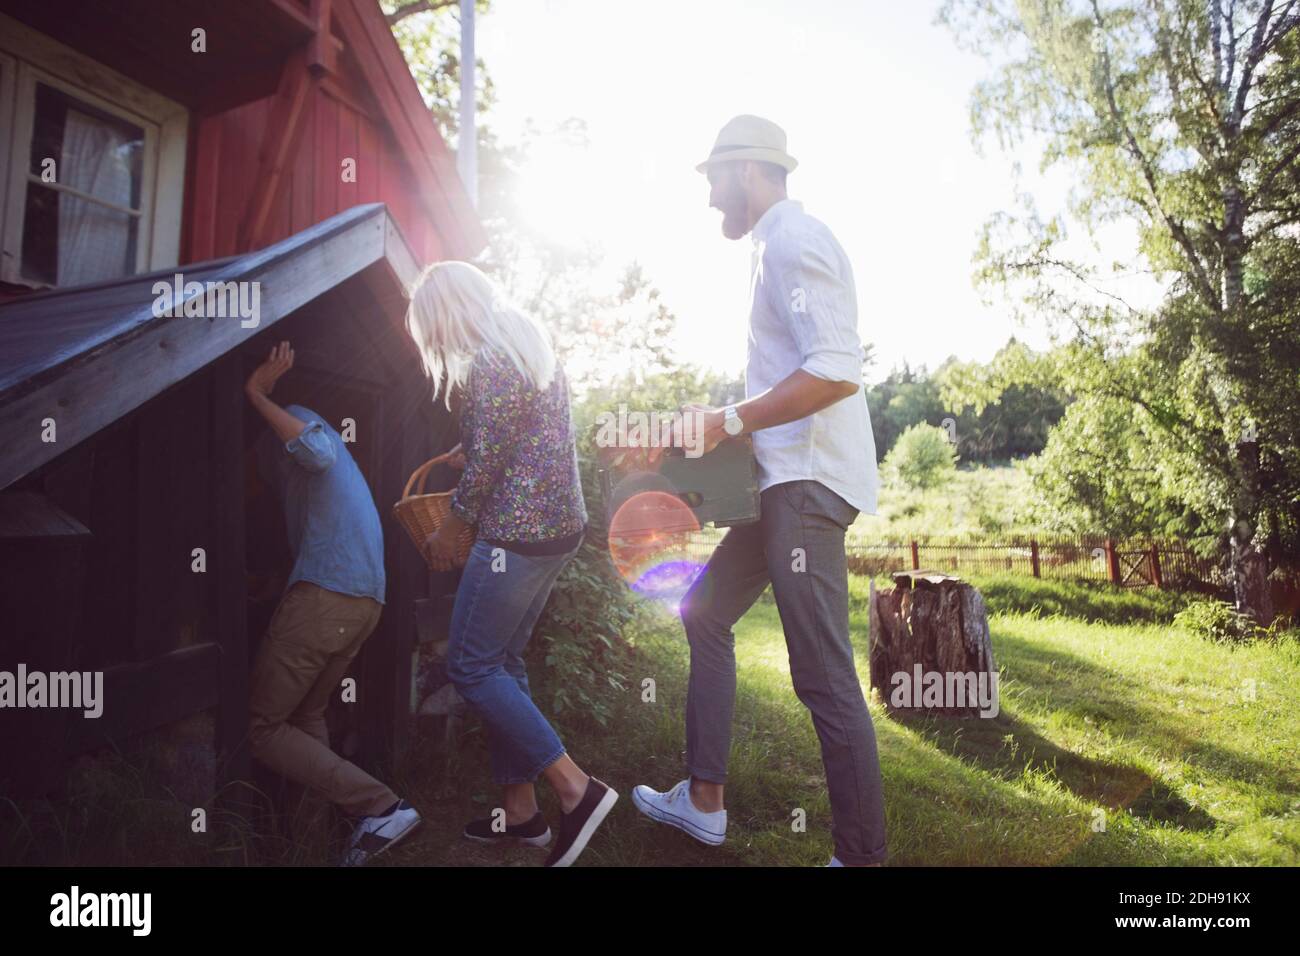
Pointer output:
x,y
874,97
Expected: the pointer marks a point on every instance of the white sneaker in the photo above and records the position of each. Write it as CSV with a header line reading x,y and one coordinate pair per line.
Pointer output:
x,y
374,835
676,809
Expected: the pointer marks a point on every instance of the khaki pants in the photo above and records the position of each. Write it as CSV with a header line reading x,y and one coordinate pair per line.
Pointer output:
x,y
308,647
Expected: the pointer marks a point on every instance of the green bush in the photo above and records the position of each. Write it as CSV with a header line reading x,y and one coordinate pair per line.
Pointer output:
x,y
584,629
1218,621
584,632
922,458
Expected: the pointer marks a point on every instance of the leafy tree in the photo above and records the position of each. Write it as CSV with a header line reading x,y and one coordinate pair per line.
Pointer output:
x,y
1004,409
921,459
602,327
1181,120
428,31
906,397
992,415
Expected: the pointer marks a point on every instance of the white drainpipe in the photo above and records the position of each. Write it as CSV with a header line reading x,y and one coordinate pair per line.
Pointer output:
x,y
467,152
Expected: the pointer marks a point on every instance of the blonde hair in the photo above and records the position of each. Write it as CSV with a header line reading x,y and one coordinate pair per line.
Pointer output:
x,y
455,310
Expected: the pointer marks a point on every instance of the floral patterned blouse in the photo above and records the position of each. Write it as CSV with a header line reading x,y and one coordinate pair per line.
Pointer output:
x,y
520,482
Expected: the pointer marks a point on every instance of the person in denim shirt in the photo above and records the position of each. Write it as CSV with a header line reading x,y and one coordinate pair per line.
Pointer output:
x,y
331,604
330,516
520,489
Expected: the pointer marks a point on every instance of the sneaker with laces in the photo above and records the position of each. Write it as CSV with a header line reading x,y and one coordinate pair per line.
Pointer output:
x,y
373,835
532,832
676,809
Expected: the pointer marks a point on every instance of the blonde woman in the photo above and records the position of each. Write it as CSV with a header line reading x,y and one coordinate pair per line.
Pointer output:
x,y
520,489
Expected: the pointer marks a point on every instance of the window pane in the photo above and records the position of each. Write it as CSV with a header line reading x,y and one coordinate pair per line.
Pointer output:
x,y
69,241
93,151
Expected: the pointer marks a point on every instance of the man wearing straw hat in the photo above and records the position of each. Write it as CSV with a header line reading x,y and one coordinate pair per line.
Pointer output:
x,y
812,438
332,603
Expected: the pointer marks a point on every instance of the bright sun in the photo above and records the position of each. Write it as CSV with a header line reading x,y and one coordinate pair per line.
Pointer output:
x,y
564,194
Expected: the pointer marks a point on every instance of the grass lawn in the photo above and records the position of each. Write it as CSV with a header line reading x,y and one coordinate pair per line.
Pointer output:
x,y
1187,752
1184,751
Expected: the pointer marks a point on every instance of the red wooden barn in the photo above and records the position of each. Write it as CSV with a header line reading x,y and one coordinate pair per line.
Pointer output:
x,y
280,146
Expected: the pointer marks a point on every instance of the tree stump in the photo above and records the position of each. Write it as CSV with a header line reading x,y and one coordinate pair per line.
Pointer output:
x,y
930,647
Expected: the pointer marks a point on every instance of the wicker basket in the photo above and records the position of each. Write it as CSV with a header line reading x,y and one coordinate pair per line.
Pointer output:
x,y
421,515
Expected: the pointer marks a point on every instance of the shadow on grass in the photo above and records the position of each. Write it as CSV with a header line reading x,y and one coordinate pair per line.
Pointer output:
x,y
1073,686
1082,600
1105,696
1009,747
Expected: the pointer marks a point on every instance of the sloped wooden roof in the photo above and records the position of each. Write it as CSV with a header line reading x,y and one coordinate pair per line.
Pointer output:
x,y
87,355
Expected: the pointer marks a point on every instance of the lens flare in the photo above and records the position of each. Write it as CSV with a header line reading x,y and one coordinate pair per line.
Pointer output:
x,y
649,543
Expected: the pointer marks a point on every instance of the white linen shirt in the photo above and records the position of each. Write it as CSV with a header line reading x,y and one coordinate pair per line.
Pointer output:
x,y
803,314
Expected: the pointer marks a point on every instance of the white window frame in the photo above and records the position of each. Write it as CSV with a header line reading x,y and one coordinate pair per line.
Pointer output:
x,y
28,57
8,84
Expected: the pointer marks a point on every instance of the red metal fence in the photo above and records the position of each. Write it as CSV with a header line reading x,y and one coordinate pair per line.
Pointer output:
x,y
1126,563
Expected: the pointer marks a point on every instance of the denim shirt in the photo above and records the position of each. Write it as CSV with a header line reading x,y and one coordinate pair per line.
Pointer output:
x,y
334,529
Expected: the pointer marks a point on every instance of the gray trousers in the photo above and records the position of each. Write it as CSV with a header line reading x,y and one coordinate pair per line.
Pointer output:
x,y
798,547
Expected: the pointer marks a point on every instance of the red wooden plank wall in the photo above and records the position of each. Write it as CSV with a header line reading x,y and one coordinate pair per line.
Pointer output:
x,y
224,169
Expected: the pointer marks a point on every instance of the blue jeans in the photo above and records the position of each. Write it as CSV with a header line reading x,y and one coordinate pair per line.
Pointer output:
x,y
500,598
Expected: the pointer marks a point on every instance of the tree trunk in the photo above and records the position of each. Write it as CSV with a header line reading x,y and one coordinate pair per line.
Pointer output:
x,y
1249,566
930,647
1234,252
1250,585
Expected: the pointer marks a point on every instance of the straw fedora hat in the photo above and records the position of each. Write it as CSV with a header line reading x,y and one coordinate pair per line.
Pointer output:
x,y
750,137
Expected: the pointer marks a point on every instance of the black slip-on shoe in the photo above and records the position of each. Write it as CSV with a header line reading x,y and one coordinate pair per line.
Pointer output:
x,y
577,826
532,832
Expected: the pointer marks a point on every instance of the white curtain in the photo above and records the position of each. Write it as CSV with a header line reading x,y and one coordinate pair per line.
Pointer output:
x,y
93,240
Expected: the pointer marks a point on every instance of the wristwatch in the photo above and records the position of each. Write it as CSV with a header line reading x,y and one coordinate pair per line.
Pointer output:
x,y
731,423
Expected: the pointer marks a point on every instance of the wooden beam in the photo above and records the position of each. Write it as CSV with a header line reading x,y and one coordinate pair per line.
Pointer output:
x,y
25,516
147,694
293,14
322,51
391,282
284,126
355,100
400,261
